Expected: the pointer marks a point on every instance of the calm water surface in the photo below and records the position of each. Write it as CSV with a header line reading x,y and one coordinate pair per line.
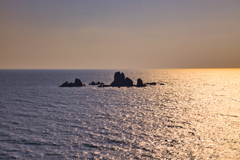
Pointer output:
x,y
195,115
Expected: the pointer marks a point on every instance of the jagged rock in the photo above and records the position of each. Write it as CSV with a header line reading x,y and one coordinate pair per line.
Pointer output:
x,y
140,83
65,84
92,83
119,80
77,83
98,83
128,82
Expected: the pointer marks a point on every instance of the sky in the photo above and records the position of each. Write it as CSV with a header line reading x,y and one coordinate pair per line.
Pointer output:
x,y
114,34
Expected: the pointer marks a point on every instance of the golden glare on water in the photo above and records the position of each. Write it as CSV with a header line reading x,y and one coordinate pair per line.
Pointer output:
x,y
194,115
212,100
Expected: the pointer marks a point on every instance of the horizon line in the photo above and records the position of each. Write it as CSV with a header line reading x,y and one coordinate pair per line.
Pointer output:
x,y
105,68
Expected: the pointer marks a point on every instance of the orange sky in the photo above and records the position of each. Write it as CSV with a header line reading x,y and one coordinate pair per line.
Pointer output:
x,y
123,34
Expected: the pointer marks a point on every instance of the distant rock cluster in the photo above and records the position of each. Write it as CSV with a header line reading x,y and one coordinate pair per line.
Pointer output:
x,y
98,83
119,81
77,83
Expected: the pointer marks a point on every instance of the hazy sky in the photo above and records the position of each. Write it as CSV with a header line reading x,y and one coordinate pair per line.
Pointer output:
x,y
119,34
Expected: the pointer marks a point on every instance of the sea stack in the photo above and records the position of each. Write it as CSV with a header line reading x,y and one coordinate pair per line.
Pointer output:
x,y
120,80
140,83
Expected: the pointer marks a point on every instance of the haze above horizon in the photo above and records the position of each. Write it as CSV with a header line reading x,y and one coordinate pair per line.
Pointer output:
x,y
122,34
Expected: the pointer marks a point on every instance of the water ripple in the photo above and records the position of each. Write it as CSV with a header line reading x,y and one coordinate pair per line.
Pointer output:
x,y
193,116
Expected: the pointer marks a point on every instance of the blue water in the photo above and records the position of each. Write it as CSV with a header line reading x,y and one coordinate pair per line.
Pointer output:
x,y
195,115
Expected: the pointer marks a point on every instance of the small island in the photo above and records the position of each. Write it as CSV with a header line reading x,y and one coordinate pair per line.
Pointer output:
x,y
119,81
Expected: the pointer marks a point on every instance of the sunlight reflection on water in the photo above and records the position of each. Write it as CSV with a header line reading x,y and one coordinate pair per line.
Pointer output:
x,y
195,115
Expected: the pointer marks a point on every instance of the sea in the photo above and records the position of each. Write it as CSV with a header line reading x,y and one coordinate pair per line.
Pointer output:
x,y
194,115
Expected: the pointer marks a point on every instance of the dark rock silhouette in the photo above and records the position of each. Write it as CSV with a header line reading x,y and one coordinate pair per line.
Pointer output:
x,y
77,83
128,82
93,83
65,84
140,83
120,80
153,83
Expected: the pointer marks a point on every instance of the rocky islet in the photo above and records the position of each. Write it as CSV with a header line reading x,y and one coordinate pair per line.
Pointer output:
x,y
119,81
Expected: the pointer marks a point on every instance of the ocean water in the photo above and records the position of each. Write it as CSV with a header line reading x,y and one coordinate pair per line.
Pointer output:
x,y
195,115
